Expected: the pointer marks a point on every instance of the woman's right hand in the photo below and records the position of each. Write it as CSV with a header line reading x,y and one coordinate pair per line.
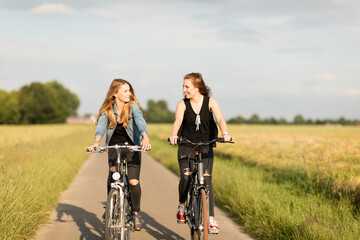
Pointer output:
x,y
173,140
92,147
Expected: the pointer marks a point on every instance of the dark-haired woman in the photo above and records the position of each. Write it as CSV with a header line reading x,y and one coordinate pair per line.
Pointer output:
x,y
120,116
194,120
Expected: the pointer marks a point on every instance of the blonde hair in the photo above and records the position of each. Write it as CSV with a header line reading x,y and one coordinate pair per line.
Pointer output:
x,y
107,108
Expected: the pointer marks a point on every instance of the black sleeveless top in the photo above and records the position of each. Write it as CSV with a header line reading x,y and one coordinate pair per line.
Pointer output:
x,y
120,136
198,127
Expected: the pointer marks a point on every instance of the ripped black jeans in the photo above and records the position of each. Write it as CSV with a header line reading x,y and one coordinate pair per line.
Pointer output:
x,y
187,167
133,172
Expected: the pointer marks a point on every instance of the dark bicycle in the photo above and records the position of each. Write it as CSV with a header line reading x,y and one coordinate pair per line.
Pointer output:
x,y
197,202
118,220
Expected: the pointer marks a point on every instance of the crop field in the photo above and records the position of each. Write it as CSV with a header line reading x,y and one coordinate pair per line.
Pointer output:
x,y
284,182
37,162
277,182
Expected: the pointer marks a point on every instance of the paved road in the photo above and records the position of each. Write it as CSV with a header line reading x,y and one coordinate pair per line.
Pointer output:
x,y
81,206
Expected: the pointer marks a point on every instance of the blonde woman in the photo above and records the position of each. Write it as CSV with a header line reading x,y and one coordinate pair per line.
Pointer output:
x,y
194,120
121,118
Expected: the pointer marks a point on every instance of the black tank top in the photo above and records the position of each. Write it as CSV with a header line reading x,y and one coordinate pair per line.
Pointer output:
x,y
198,127
120,136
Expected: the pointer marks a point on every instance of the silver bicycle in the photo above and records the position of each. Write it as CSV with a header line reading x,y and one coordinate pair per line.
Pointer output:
x,y
118,220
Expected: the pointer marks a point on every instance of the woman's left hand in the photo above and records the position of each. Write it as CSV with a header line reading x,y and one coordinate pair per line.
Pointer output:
x,y
227,138
145,144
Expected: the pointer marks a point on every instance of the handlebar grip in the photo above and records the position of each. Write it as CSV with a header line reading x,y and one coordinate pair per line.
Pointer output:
x,y
222,140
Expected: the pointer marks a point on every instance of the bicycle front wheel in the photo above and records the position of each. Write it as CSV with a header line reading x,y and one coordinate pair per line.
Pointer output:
x,y
125,218
202,216
112,215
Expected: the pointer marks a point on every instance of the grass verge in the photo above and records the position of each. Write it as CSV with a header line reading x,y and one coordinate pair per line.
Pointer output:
x,y
269,206
34,171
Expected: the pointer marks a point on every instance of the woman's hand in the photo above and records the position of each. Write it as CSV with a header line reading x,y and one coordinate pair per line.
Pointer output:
x,y
227,138
91,148
145,144
173,140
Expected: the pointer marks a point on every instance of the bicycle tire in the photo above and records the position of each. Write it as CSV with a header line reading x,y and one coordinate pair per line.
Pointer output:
x,y
125,215
193,209
112,215
202,216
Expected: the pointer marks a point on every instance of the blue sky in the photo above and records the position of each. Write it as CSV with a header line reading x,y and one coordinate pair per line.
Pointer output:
x,y
274,58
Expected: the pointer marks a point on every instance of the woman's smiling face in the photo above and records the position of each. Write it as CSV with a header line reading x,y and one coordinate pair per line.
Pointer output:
x,y
189,89
123,94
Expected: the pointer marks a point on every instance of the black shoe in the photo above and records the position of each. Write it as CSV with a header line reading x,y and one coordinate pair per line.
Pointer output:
x,y
137,221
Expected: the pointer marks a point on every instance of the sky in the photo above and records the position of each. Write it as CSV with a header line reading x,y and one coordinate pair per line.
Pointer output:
x,y
275,58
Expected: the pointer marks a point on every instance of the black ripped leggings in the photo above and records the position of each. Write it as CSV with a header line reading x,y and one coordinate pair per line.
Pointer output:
x,y
186,168
133,167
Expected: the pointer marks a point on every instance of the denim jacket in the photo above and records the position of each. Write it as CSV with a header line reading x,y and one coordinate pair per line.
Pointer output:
x,y
136,125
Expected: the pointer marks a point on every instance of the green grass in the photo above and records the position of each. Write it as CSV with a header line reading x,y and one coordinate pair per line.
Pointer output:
x,y
34,168
268,202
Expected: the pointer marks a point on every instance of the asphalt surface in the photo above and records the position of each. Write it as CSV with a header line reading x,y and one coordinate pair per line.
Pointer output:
x,y
78,214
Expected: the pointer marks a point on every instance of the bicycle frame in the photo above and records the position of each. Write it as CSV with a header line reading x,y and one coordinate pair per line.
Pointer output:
x,y
197,204
197,184
117,218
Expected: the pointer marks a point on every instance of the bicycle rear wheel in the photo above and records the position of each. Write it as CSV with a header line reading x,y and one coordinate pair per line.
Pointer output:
x,y
112,215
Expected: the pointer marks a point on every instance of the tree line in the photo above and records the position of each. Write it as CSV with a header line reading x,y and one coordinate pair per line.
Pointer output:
x,y
38,103
51,102
298,120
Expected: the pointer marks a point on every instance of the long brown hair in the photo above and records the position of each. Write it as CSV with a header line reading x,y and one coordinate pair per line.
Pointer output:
x,y
107,108
198,81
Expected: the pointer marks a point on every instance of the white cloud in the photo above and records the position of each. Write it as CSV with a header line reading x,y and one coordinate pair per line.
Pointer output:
x,y
325,77
52,9
352,92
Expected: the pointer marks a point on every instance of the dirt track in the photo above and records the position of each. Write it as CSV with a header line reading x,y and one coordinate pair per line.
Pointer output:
x,y
81,206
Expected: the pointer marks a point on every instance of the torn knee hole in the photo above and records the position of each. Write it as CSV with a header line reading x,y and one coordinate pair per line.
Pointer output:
x,y
187,171
134,182
113,169
206,173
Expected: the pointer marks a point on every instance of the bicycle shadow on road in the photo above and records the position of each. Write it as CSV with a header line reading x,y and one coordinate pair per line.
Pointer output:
x,y
158,231
89,224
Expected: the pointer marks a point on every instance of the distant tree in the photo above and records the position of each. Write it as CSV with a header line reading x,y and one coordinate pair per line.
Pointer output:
x,y
9,108
298,119
66,99
36,103
309,121
46,103
254,119
319,122
158,112
3,109
238,119
282,121
342,121
273,121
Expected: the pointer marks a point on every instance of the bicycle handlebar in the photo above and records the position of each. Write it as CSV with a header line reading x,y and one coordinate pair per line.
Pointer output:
x,y
183,140
133,148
